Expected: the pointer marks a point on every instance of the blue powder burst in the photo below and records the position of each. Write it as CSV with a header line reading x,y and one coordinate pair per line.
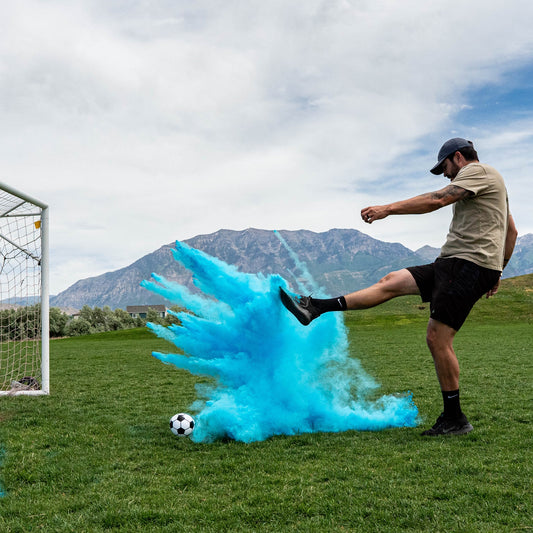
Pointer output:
x,y
271,375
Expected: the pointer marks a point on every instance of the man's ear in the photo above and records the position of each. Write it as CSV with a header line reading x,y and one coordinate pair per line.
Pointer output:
x,y
458,158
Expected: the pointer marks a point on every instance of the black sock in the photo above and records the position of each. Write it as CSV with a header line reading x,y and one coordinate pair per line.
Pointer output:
x,y
330,304
452,405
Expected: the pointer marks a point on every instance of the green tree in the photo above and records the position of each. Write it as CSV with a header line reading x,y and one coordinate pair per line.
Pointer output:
x,y
27,322
123,318
5,321
153,316
98,322
58,322
86,313
171,318
78,326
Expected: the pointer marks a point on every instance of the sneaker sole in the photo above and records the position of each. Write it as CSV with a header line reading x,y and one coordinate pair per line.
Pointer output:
x,y
291,306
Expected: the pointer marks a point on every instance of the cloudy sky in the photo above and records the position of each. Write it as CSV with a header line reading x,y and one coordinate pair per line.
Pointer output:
x,y
145,121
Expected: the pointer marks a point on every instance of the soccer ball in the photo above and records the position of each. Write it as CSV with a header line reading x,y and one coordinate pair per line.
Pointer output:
x,y
182,424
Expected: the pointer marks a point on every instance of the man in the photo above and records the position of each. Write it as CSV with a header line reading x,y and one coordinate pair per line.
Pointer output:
x,y
479,244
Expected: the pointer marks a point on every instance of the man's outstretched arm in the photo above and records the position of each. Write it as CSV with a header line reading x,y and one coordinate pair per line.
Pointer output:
x,y
424,203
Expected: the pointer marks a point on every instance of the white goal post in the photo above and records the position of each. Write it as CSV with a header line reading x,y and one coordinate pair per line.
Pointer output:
x,y
24,294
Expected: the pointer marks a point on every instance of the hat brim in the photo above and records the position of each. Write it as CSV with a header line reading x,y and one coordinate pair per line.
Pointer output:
x,y
437,169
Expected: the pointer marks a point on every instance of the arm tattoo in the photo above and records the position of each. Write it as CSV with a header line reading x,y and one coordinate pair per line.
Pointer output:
x,y
451,193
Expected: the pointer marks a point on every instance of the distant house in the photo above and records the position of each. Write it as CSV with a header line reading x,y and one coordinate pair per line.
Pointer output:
x,y
70,312
141,311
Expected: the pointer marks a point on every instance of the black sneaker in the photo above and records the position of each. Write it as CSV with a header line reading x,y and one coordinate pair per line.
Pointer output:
x,y
300,306
449,426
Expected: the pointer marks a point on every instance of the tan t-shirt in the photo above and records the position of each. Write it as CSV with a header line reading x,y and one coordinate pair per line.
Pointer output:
x,y
479,224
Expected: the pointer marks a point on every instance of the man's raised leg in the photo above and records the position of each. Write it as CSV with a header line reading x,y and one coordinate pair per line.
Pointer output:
x,y
306,309
398,283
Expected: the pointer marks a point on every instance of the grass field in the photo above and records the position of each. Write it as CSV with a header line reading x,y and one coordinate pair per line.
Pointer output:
x,y
97,454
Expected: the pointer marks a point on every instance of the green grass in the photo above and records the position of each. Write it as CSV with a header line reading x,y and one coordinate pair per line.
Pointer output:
x,y
97,455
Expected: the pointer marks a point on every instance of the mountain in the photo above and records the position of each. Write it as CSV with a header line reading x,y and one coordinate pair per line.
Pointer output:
x,y
340,261
428,253
522,261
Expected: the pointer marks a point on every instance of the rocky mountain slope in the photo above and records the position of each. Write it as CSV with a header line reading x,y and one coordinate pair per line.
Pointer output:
x,y
340,260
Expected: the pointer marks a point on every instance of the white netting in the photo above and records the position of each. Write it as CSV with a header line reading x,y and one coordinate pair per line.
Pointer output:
x,y
20,294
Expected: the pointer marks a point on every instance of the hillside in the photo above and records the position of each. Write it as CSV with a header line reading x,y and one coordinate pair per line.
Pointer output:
x,y
340,260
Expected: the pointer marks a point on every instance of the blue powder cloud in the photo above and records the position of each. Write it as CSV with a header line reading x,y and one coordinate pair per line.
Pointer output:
x,y
271,375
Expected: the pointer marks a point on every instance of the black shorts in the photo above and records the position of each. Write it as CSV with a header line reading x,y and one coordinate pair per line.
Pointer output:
x,y
453,286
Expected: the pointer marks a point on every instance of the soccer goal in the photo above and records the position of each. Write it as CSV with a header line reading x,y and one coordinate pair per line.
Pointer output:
x,y
24,306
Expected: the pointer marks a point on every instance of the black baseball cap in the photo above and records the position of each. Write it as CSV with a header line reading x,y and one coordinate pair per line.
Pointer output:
x,y
448,148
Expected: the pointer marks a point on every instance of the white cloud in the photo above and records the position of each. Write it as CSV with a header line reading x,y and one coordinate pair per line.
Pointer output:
x,y
140,123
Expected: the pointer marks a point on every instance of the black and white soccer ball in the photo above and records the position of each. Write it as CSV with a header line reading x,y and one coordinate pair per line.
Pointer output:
x,y
182,424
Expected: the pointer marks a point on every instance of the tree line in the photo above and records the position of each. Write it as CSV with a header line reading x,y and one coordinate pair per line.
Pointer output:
x,y
25,322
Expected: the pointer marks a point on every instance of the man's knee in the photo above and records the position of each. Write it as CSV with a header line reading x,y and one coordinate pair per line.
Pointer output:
x,y
399,283
439,335
432,339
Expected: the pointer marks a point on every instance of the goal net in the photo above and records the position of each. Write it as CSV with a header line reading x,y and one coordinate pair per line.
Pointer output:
x,y
24,312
